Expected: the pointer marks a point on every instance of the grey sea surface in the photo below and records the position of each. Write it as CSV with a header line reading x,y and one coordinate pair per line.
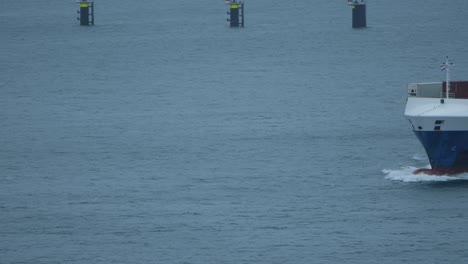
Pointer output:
x,y
161,135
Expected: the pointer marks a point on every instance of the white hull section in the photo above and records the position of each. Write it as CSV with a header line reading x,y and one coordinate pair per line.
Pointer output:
x,y
430,114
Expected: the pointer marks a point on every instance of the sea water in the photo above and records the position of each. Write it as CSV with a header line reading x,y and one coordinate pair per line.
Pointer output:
x,y
161,135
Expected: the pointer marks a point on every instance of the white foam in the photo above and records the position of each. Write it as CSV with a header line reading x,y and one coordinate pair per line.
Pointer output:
x,y
405,174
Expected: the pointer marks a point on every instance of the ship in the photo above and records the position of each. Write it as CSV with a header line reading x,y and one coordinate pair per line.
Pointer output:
x,y
438,114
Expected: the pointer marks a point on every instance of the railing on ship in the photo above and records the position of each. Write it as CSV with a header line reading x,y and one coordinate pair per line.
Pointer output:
x,y
444,94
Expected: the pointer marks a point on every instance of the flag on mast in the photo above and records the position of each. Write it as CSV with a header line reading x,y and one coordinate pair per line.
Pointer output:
x,y
443,66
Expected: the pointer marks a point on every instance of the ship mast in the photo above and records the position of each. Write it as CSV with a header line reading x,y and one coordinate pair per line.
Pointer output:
x,y
447,76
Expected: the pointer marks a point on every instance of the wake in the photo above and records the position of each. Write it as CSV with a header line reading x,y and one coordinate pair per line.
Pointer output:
x,y
406,174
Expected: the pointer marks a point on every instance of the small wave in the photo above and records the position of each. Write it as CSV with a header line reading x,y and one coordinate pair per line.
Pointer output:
x,y
419,157
405,174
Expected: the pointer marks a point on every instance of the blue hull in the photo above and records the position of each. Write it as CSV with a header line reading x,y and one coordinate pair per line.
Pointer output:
x,y
447,150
